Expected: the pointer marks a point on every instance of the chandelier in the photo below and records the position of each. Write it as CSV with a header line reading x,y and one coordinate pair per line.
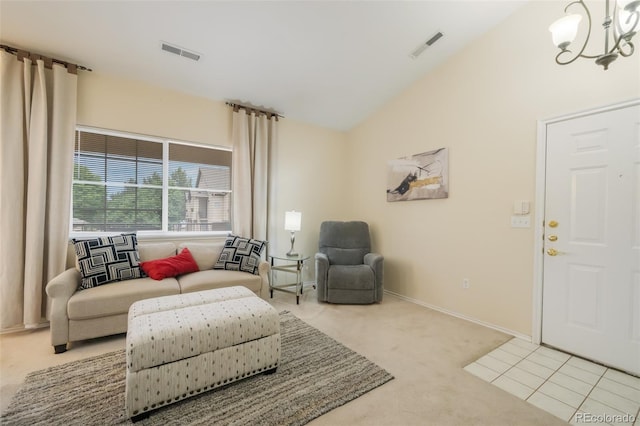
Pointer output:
x,y
620,25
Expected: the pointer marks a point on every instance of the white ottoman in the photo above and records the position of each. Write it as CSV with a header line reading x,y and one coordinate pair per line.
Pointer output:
x,y
179,346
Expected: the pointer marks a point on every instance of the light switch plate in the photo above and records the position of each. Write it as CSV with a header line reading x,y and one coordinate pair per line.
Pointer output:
x,y
520,221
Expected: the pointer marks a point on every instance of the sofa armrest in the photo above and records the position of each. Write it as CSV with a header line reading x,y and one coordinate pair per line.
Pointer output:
x,y
263,270
376,262
322,271
60,289
64,285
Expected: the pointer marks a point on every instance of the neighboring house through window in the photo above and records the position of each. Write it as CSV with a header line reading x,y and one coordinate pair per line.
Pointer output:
x,y
132,183
205,207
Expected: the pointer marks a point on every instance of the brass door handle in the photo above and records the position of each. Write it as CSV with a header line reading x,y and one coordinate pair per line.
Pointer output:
x,y
554,252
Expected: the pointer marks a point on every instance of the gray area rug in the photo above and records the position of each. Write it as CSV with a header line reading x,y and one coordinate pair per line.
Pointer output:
x,y
316,375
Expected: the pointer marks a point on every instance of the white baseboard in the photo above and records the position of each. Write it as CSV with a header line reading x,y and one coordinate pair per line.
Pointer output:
x,y
20,328
461,316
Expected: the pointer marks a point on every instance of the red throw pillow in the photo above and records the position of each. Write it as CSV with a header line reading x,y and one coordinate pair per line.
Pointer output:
x,y
171,266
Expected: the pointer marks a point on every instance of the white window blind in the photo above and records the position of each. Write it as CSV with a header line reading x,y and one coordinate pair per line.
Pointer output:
x,y
128,183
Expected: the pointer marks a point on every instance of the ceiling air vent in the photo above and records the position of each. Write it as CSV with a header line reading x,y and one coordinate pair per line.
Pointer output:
x,y
180,51
426,44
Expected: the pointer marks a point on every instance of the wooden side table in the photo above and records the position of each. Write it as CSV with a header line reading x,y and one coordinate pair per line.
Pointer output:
x,y
290,264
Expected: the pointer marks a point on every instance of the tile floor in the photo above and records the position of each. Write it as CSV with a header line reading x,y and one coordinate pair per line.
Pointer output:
x,y
571,388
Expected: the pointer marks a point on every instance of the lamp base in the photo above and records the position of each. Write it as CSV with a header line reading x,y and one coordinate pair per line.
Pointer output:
x,y
292,253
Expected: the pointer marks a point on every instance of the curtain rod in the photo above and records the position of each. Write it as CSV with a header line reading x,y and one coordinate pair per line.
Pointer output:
x,y
21,54
268,113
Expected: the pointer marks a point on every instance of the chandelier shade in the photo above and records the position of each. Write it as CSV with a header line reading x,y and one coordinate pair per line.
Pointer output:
x,y
629,5
565,30
620,24
626,24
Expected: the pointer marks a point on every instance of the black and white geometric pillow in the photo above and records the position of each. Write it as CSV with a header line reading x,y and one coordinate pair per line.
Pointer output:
x,y
107,259
240,254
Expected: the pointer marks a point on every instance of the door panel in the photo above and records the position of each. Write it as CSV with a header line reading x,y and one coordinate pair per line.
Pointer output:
x,y
591,290
588,205
585,286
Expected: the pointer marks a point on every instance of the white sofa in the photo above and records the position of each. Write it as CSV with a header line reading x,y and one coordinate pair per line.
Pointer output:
x,y
102,311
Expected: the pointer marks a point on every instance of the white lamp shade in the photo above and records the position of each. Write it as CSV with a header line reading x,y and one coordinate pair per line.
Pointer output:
x,y
564,30
629,5
626,22
292,220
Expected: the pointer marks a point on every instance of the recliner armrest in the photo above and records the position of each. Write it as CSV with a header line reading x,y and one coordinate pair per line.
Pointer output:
x,y
373,259
322,261
322,271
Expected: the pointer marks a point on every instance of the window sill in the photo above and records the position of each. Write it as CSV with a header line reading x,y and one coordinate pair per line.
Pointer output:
x,y
153,236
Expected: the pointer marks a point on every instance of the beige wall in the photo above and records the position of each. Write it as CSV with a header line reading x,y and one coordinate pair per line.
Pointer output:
x,y
308,162
483,104
126,105
310,171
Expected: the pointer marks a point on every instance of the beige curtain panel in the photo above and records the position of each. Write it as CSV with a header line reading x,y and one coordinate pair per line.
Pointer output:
x,y
36,165
254,140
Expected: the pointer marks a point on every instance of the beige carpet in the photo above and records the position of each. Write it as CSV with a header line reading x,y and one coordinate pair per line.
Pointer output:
x,y
423,349
316,374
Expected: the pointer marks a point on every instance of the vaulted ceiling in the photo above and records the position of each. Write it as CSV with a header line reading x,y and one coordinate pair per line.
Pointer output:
x,y
330,63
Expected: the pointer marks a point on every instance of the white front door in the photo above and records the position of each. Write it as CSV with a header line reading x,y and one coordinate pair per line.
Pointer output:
x,y
591,271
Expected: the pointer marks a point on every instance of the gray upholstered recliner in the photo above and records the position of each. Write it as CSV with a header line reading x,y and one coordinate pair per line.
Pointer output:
x,y
346,271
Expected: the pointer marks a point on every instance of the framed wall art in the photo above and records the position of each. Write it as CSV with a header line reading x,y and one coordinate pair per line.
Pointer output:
x,y
419,177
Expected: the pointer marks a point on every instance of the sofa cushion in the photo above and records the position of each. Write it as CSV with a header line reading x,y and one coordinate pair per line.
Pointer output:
x,y
240,254
205,254
116,298
104,260
217,278
152,251
159,269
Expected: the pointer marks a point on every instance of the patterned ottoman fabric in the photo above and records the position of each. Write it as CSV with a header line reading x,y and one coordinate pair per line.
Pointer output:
x,y
166,303
181,350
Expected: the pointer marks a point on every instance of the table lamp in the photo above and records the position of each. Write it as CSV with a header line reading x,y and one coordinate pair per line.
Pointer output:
x,y
292,221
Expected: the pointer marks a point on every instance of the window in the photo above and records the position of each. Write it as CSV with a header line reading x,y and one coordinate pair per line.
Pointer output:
x,y
130,183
